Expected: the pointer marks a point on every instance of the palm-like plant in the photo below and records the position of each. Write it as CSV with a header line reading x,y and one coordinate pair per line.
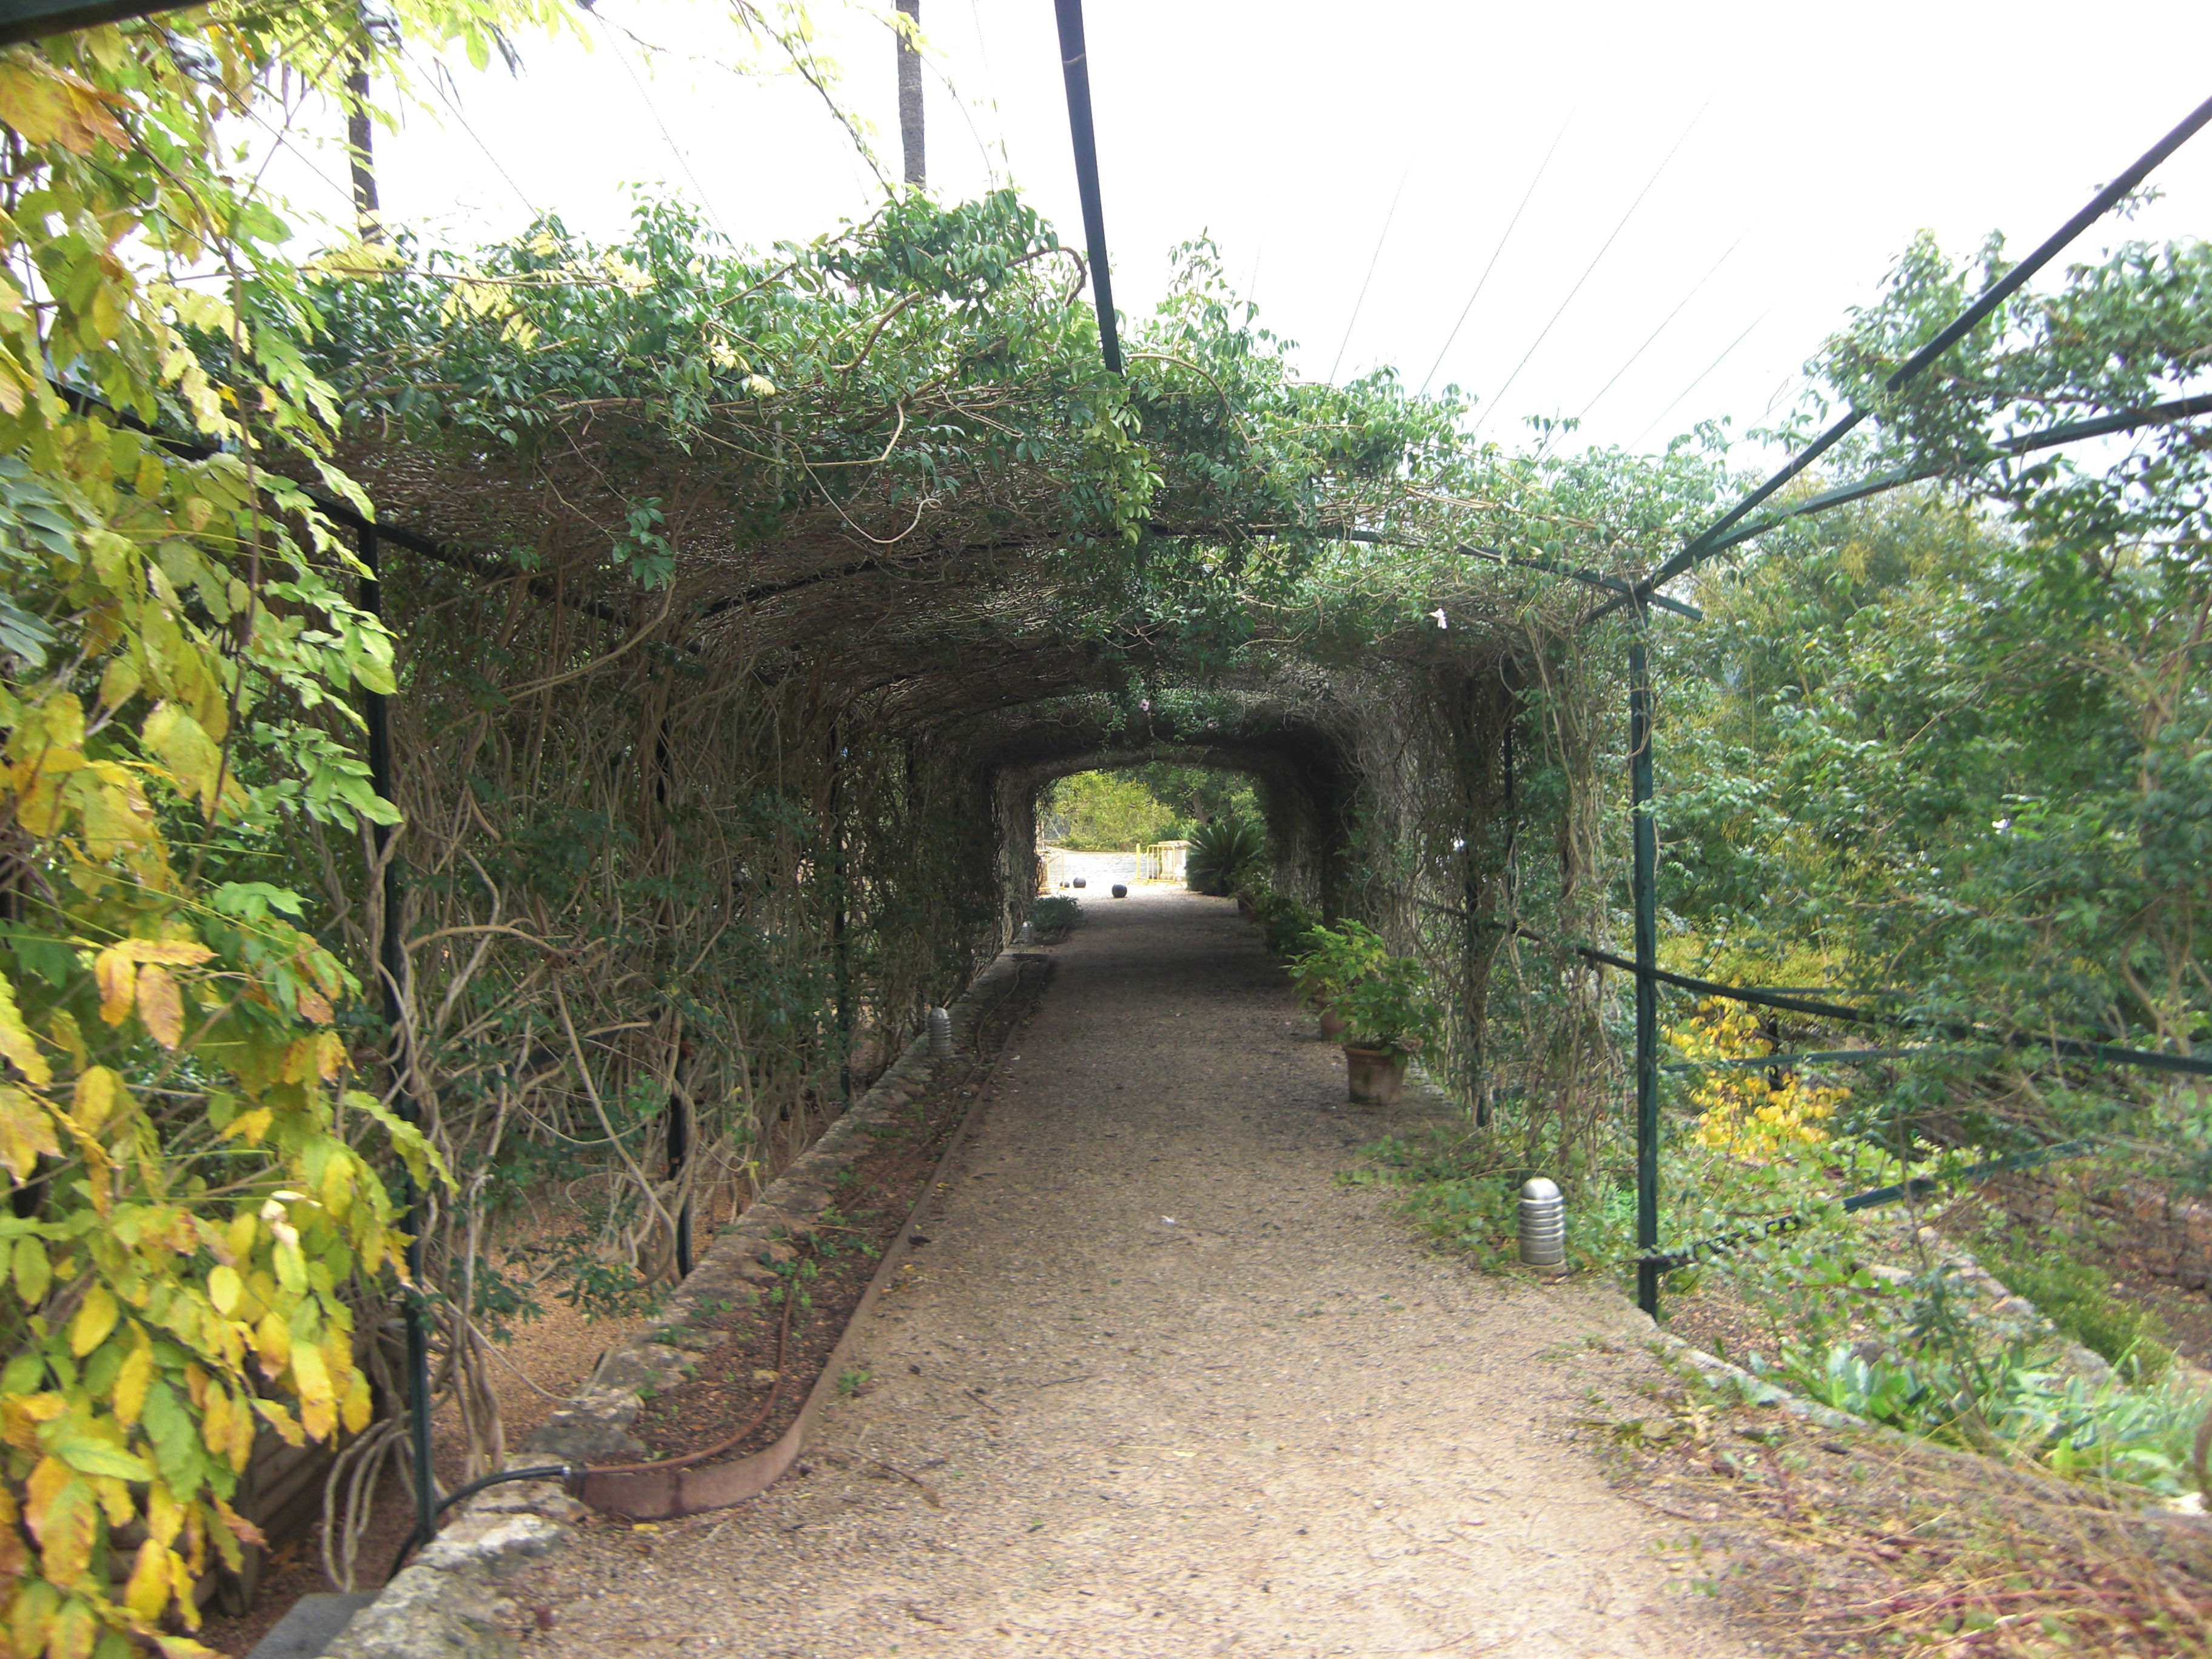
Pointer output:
x,y
1225,856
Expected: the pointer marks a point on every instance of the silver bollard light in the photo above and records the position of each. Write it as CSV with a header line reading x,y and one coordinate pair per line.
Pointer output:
x,y
1543,1225
940,1034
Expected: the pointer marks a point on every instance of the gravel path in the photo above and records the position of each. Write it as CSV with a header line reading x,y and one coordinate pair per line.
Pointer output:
x,y
1159,1385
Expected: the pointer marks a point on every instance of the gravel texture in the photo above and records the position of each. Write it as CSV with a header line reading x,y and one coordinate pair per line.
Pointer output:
x,y
1160,1384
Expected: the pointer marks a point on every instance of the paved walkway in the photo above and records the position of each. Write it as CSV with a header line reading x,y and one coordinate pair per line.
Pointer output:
x,y
1163,1387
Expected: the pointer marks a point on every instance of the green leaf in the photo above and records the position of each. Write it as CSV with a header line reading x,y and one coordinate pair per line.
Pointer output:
x,y
98,1457
176,1441
415,1152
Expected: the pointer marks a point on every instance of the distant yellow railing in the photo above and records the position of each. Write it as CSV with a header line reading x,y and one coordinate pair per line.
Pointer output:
x,y
1163,860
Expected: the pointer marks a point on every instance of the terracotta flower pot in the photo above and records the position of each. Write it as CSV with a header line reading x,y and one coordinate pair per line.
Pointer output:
x,y
1376,1075
1332,1024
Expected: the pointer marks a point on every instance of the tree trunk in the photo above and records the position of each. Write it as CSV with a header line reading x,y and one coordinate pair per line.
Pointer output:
x,y
360,154
909,90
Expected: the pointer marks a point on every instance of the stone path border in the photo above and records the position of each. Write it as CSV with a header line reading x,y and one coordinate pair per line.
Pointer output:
x,y
446,1603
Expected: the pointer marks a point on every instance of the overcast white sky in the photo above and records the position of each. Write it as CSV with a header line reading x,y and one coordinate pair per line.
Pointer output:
x,y
1808,144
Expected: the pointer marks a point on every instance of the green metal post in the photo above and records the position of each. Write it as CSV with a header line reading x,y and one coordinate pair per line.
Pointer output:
x,y
1644,880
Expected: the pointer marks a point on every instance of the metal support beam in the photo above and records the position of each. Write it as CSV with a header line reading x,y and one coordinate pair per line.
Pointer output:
x,y
2125,420
392,973
34,20
1645,883
1704,544
1074,63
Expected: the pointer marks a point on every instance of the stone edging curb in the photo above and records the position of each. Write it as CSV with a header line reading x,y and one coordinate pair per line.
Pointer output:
x,y
446,1603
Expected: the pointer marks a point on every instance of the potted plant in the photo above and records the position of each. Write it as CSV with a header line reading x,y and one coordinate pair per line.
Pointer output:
x,y
1331,962
1391,1020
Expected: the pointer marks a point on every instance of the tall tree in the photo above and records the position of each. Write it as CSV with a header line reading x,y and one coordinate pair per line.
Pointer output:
x,y
910,89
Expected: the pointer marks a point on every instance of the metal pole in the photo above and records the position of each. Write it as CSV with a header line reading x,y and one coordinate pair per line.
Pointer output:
x,y
34,20
840,955
391,963
1645,883
1075,66
680,1149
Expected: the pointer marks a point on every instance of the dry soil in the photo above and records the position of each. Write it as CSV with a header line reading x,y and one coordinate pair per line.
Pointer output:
x,y
1161,1384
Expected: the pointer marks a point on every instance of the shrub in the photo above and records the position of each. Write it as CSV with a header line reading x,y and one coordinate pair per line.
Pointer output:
x,y
1391,1008
1282,919
1225,856
1053,918
1334,959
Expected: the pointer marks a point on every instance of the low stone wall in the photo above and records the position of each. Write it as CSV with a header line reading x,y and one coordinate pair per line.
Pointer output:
x,y
448,1603
2170,1235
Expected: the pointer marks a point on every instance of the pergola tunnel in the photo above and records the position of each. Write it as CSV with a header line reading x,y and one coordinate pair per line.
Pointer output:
x,y
528,781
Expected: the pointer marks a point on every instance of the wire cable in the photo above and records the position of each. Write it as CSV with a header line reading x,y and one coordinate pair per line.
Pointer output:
x,y
1527,197
1700,380
1499,396
1371,263
1657,331
439,78
707,202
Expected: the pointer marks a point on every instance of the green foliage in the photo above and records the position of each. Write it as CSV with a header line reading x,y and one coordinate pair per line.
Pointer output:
x,y
1197,794
2013,1405
1283,920
2076,1296
1103,812
197,1217
1053,917
1334,959
1391,1008
1226,855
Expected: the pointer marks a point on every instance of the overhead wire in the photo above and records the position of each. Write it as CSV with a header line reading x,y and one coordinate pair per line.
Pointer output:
x,y
614,35
1377,260
1499,397
440,83
1697,289
1495,253
1700,380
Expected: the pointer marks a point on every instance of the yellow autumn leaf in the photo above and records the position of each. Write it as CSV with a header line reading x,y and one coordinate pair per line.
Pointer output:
x,y
251,1125
67,1527
165,1516
17,1042
94,1321
181,744
148,1592
13,1558
131,1384
272,1341
161,1005
94,1100
67,1032
224,1288
26,1131
273,1413
356,1411
215,1418
174,952
115,811
48,105
241,1437
75,1628
116,976
318,1405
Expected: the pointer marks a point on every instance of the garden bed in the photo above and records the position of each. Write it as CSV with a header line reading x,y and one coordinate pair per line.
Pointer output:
x,y
713,1403
824,1271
